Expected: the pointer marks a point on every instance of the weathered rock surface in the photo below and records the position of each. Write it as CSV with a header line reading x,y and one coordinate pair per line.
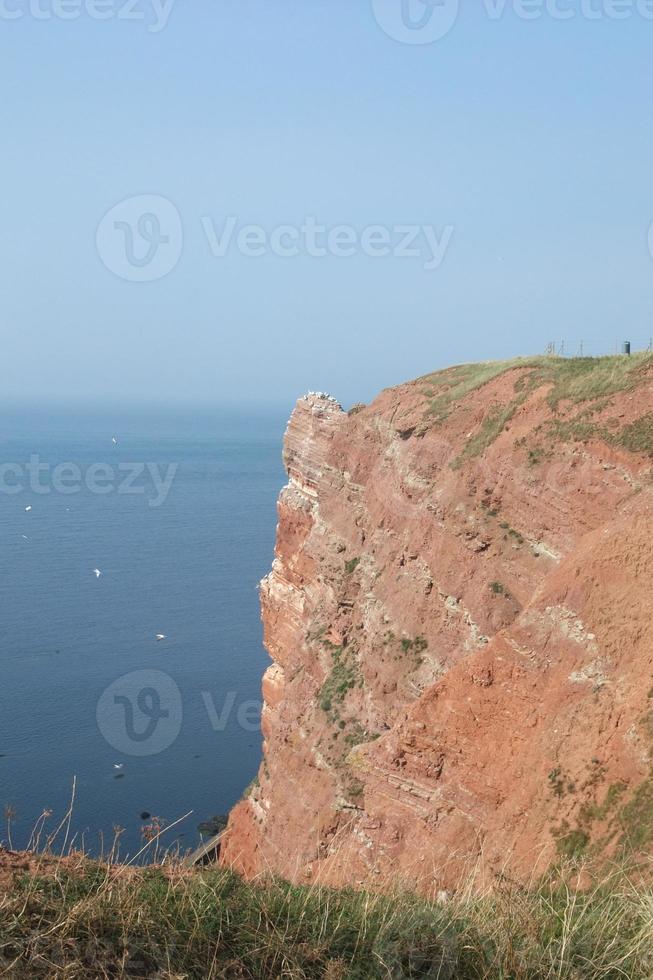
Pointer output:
x,y
460,618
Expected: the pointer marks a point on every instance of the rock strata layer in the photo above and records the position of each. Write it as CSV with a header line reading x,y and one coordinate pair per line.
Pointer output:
x,y
460,621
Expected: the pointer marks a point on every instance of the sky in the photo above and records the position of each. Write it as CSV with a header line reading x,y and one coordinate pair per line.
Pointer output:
x,y
237,201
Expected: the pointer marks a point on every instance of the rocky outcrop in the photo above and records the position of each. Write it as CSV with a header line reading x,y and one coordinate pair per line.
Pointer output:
x,y
459,615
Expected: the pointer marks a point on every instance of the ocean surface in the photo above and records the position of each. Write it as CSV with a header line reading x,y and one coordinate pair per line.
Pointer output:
x,y
178,516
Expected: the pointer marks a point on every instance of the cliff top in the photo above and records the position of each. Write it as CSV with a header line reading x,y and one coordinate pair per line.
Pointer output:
x,y
573,379
559,400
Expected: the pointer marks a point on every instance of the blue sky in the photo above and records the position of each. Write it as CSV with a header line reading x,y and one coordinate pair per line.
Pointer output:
x,y
525,145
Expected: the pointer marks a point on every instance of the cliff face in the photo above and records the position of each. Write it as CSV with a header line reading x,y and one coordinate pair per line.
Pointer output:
x,y
459,615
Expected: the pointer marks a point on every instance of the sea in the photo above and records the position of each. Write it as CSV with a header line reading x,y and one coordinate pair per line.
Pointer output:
x,y
132,542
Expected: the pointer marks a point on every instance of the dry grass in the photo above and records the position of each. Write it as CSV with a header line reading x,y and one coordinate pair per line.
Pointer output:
x,y
573,379
576,388
95,920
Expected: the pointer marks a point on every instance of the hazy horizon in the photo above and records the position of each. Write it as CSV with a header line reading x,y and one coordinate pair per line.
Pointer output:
x,y
167,174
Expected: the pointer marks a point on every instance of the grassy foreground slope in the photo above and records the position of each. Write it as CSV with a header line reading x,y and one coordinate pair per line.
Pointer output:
x,y
79,919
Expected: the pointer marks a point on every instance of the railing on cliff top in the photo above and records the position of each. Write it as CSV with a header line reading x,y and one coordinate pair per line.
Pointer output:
x,y
591,348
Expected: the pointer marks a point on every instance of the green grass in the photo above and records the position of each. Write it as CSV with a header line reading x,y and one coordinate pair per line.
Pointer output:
x,y
581,379
636,437
492,426
636,817
587,381
601,811
445,388
498,588
98,921
572,843
575,379
343,677
417,645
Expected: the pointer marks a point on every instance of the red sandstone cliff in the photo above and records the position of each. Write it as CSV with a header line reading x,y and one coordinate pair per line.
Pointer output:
x,y
459,615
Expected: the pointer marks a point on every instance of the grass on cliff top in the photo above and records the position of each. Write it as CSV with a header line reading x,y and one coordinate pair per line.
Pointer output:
x,y
98,921
574,379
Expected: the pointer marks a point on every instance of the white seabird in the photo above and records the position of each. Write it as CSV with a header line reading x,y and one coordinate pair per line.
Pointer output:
x,y
97,572
160,636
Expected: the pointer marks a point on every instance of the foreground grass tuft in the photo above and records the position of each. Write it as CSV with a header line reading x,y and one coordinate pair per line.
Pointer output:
x,y
102,921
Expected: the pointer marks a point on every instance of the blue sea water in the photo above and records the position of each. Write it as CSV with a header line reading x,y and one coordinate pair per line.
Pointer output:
x,y
85,687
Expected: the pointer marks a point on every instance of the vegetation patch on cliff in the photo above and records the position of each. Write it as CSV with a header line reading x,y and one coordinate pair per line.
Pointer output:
x,y
344,675
446,388
492,426
638,436
636,817
581,379
633,822
574,381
